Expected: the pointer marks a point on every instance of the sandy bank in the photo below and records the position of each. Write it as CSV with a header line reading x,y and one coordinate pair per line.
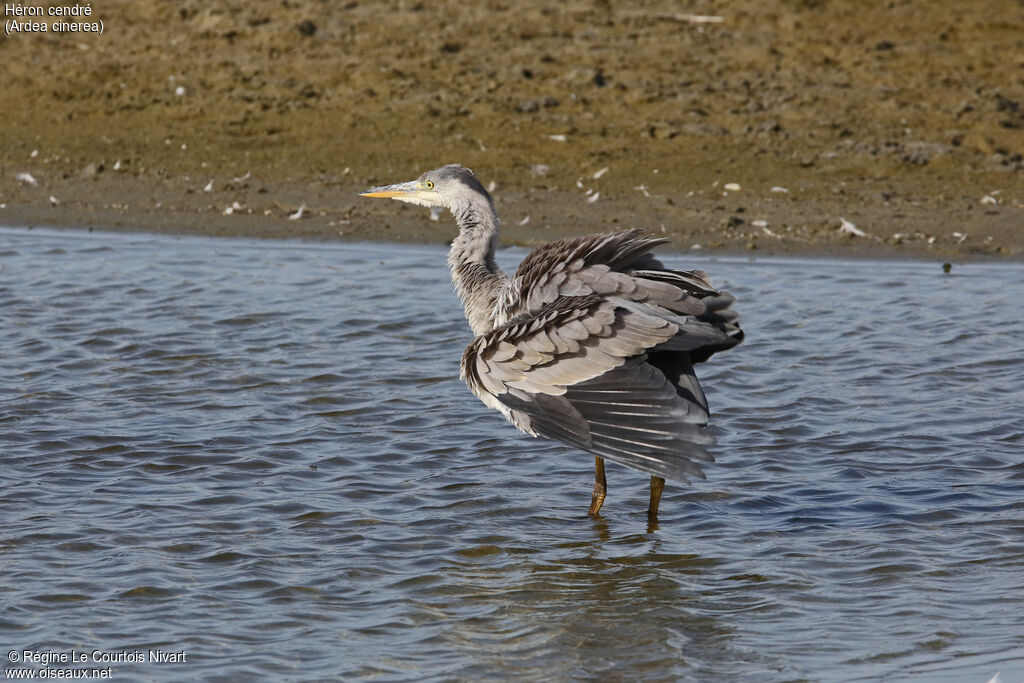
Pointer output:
x,y
906,120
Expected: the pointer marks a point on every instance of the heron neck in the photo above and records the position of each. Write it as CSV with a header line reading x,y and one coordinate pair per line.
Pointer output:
x,y
475,274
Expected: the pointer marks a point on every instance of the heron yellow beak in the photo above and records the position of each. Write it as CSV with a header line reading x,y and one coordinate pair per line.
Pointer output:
x,y
413,192
393,191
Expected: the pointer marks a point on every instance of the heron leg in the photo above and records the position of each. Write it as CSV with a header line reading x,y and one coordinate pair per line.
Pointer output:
x,y
600,486
657,486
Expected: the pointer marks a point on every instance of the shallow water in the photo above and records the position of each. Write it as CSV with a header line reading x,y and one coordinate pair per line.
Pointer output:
x,y
259,453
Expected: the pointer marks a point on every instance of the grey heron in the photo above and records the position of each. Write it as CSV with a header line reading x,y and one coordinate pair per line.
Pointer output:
x,y
591,342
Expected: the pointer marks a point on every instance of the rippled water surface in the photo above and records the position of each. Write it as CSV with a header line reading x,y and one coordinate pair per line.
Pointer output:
x,y
260,454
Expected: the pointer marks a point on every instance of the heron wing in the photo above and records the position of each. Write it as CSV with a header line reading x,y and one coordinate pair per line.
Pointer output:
x,y
617,264
578,371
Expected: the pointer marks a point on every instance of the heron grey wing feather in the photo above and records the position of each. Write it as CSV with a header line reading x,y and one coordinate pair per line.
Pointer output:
x,y
494,361
606,265
692,281
595,392
552,270
570,341
632,414
678,368
692,333
601,280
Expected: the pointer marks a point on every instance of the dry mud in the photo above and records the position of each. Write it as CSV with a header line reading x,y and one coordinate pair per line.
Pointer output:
x,y
735,126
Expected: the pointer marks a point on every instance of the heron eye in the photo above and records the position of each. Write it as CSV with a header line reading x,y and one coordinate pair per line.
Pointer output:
x,y
430,184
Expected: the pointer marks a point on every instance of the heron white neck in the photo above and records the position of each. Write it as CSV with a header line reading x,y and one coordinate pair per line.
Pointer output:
x,y
475,274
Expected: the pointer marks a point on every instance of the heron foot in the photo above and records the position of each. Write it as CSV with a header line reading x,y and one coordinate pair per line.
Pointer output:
x,y
597,499
600,486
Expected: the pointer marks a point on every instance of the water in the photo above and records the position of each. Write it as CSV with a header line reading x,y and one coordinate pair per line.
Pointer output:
x,y
259,454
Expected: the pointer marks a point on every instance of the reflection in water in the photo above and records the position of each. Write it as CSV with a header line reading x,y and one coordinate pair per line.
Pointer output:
x,y
247,451
567,610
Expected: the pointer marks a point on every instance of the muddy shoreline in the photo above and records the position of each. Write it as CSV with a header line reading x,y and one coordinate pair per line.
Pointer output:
x,y
709,224
746,128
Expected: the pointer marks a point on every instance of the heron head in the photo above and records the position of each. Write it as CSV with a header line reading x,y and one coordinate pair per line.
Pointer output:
x,y
451,186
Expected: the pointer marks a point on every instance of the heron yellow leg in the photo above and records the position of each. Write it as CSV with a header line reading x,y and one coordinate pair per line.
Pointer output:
x,y
657,486
600,486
